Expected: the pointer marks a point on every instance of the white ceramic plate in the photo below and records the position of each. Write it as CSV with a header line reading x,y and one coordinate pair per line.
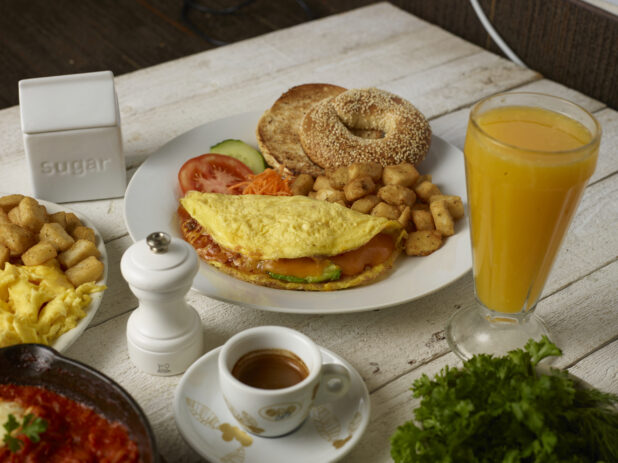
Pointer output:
x,y
329,433
64,342
151,201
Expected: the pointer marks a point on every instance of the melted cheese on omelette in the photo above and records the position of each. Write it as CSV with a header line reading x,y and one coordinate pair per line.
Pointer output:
x,y
283,227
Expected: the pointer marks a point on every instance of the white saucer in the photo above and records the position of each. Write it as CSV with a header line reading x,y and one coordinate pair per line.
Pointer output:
x,y
329,433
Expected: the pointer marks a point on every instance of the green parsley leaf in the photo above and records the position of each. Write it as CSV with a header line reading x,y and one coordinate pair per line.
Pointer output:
x,y
540,350
11,425
32,427
502,409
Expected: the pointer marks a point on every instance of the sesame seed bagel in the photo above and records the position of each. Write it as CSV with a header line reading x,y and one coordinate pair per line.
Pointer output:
x,y
328,140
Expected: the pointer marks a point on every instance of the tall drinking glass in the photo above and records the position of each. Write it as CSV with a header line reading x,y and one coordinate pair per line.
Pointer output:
x,y
528,159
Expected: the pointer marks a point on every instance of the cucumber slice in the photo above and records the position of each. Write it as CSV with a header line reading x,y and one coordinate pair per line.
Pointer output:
x,y
243,152
332,272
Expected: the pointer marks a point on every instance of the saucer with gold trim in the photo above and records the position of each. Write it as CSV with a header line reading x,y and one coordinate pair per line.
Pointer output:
x,y
206,424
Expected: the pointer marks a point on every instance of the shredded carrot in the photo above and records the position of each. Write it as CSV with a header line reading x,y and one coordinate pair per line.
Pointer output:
x,y
270,182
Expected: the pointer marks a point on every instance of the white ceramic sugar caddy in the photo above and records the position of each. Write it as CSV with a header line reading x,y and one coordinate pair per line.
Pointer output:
x,y
72,137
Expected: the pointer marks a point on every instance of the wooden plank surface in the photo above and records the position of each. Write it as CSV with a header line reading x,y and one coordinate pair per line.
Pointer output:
x,y
569,41
389,347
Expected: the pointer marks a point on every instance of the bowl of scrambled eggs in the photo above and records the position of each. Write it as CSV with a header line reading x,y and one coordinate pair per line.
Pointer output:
x,y
40,304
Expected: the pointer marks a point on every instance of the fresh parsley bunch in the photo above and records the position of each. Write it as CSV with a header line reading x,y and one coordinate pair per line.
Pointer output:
x,y
31,427
501,409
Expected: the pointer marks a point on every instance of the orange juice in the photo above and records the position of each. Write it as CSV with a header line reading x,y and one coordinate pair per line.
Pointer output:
x,y
526,169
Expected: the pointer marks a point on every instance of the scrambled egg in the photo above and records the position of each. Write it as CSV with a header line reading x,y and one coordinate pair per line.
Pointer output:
x,y
38,304
283,227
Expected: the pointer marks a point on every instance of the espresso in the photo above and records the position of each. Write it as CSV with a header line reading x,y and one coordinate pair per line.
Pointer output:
x,y
270,369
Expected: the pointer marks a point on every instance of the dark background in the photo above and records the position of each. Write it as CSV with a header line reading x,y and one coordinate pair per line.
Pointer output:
x,y
567,41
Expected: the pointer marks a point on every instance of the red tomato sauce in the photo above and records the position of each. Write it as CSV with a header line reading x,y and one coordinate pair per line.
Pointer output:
x,y
75,432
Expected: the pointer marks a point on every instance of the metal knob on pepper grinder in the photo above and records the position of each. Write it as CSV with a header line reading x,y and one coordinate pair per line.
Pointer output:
x,y
164,334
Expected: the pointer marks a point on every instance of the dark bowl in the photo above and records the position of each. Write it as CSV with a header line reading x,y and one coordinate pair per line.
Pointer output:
x,y
39,365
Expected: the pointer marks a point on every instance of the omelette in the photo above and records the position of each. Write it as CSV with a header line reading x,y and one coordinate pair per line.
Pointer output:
x,y
290,242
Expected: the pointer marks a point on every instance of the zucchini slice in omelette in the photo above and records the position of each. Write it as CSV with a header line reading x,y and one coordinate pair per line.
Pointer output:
x,y
290,242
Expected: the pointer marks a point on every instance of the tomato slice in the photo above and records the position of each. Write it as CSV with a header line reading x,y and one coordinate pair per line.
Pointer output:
x,y
213,173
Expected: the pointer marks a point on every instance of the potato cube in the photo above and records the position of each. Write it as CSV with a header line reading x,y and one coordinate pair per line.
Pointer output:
x,y
8,202
423,243
89,269
423,220
80,250
401,207
359,187
404,174
453,203
365,204
59,218
16,238
4,218
83,233
302,185
426,190
330,195
39,253
72,221
5,254
338,177
422,178
322,183
388,211
397,195
442,218
312,194
13,216
362,169
418,206
31,214
53,262
56,235
404,217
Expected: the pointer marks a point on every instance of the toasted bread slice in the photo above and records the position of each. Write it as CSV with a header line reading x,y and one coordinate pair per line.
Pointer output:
x,y
277,130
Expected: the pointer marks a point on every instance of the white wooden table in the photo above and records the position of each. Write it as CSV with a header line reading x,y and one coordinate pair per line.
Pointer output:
x,y
443,76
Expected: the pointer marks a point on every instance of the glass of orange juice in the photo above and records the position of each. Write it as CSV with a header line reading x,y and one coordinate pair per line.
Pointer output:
x,y
528,158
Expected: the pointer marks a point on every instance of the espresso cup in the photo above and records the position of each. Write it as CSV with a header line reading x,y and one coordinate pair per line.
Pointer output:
x,y
271,376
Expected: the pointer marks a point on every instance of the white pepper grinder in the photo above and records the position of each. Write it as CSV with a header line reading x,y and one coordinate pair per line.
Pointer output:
x,y
164,334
